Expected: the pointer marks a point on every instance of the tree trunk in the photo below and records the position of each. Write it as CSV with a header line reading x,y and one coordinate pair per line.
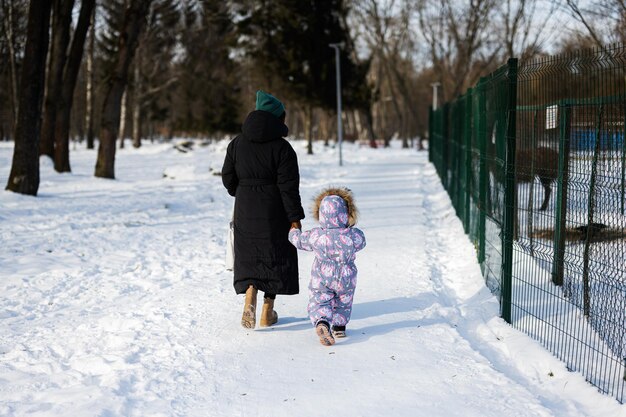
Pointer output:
x,y
123,118
396,105
89,111
70,75
61,21
292,122
365,127
134,20
137,106
358,126
308,128
10,39
369,127
408,101
388,129
346,125
405,129
137,127
24,177
323,122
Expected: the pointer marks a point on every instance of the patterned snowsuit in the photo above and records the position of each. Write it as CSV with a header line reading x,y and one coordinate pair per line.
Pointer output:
x,y
333,275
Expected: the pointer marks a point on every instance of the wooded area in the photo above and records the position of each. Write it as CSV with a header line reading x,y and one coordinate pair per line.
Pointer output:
x,y
99,72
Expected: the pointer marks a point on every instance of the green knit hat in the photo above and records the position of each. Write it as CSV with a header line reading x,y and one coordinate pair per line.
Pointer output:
x,y
269,103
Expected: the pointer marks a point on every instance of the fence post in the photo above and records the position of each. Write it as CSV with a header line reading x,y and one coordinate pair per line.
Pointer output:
x,y
623,182
467,140
623,179
590,212
483,173
430,134
438,140
456,154
531,192
445,145
565,111
510,192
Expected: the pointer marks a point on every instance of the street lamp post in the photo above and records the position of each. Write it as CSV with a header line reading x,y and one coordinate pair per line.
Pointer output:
x,y
336,47
435,94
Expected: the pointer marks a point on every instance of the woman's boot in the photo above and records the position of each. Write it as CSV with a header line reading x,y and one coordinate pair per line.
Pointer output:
x,y
268,315
248,319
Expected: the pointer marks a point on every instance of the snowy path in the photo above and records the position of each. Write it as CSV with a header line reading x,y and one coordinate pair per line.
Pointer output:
x,y
114,302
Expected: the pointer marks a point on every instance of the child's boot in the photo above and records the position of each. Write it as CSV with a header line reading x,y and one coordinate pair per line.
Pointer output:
x,y
339,331
248,319
322,329
268,315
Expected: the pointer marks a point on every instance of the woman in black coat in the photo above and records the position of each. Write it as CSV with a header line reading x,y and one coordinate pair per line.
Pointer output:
x,y
261,171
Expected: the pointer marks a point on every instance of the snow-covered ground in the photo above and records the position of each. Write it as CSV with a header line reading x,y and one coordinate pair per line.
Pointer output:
x,y
114,301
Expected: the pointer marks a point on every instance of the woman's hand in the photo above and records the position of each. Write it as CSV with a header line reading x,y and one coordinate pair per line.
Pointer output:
x,y
296,225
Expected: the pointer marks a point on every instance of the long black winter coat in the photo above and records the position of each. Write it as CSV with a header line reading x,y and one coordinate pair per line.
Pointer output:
x,y
261,171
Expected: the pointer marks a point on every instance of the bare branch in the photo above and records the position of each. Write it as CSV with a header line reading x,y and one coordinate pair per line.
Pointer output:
x,y
577,13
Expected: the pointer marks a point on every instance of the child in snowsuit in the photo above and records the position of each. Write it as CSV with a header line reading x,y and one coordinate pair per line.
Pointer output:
x,y
333,275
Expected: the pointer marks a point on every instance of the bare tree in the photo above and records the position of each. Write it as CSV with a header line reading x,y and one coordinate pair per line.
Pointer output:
x,y
66,96
604,20
123,118
89,88
387,33
154,73
522,28
61,21
136,112
24,176
11,11
461,44
134,20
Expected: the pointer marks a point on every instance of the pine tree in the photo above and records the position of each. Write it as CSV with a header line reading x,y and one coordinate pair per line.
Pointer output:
x,y
292,49
153,70
205,100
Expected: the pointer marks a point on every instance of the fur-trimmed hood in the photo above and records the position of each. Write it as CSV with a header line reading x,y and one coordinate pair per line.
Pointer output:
x,y
334,207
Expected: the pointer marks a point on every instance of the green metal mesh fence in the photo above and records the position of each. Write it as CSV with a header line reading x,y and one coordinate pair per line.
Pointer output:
x,y
549,223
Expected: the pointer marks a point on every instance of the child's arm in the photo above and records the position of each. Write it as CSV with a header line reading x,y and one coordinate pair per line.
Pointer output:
x,y
358,238
302,240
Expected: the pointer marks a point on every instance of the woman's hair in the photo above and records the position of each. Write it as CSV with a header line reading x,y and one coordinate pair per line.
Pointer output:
x,y
282,116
